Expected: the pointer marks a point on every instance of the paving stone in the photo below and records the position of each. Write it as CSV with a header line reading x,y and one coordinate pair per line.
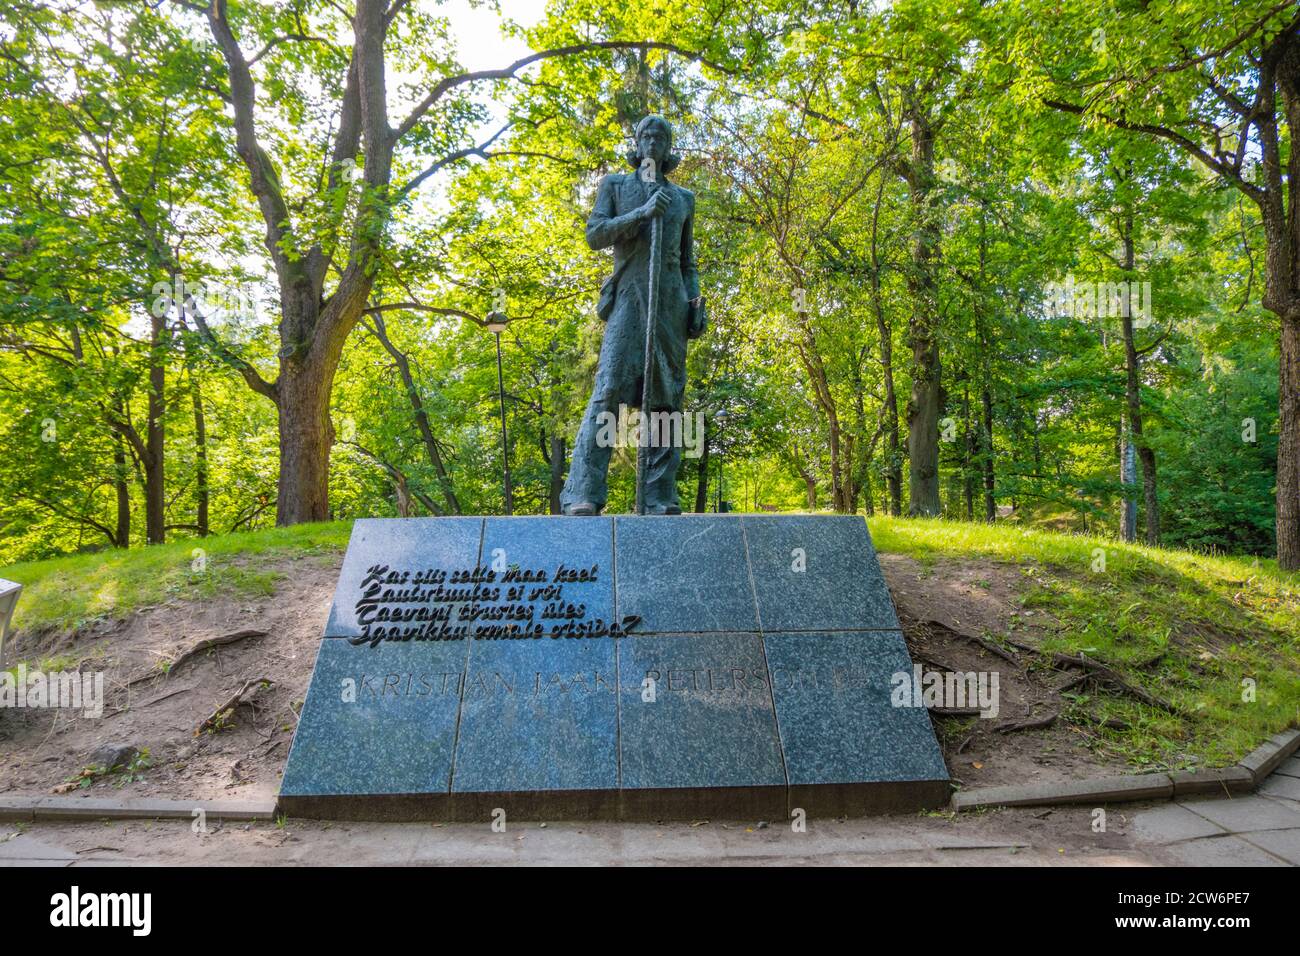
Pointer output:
x,y
1279,785
1216,782
1247,814
1153,786
1220,851
1172,822
26,849
1282,843
1289,767
1266,757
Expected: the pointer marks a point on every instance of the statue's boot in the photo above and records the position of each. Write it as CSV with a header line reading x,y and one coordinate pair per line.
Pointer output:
x,y
581,509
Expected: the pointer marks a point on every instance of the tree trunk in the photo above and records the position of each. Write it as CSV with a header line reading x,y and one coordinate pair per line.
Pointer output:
x,y
986,459
1133,398
1281,219
986,392
968,456
201,459
1288,447
306,434
894,467
702,478
155,503
557,473
402,492
816,369
403,364
810,487
1128,484
122,536
923,407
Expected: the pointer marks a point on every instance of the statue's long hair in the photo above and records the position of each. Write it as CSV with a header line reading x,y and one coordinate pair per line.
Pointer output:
x,y
634,155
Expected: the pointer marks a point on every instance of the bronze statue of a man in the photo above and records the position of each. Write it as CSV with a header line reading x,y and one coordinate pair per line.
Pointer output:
x,y
626,205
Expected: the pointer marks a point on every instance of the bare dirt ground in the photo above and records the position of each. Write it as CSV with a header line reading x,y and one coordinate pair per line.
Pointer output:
x,y
147,707
941,607
45,751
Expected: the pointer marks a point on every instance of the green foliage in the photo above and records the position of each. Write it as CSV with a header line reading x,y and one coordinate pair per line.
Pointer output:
x,y
823,143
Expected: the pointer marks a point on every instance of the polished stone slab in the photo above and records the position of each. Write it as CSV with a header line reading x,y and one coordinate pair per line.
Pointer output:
x,y
684,574
499,684
538,729
397,546
848,749
378,720
816,573
701,737
576,557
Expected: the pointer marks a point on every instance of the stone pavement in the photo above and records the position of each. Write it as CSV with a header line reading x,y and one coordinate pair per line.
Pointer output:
x,y
1258,829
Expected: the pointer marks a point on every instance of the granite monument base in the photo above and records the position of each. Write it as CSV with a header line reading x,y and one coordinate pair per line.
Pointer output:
x,y
634,668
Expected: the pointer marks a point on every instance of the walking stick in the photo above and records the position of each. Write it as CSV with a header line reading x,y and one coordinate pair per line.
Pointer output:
x,y
652,309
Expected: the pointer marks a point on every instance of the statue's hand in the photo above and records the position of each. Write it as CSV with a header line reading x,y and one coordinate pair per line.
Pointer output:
x,y
656,205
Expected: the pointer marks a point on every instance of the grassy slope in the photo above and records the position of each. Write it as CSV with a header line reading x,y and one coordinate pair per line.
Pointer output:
x,y
67,592
1186,627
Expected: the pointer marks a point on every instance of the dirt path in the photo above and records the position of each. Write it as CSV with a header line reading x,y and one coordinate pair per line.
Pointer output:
x,y
1009,838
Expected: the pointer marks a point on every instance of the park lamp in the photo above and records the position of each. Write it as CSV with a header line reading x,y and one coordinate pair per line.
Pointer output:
x,y
496,322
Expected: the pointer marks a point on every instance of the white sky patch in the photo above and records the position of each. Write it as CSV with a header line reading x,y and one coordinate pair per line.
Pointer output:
x,y
478,31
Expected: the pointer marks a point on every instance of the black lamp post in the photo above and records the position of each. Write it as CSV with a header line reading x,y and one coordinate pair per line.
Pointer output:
x,y
496,324
718,419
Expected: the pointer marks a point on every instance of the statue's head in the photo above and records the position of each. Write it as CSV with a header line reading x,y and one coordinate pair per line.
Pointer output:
x,y
654,138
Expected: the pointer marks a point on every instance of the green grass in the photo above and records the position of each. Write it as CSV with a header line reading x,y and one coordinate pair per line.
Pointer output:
x,y
71,591
1186,627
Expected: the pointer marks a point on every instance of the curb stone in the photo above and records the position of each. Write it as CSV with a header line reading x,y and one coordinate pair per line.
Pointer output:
x,y
1239,778
1265,759
1152,786
74,809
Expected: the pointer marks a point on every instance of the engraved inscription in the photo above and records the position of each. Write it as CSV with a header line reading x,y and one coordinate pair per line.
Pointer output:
x,y
481,603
